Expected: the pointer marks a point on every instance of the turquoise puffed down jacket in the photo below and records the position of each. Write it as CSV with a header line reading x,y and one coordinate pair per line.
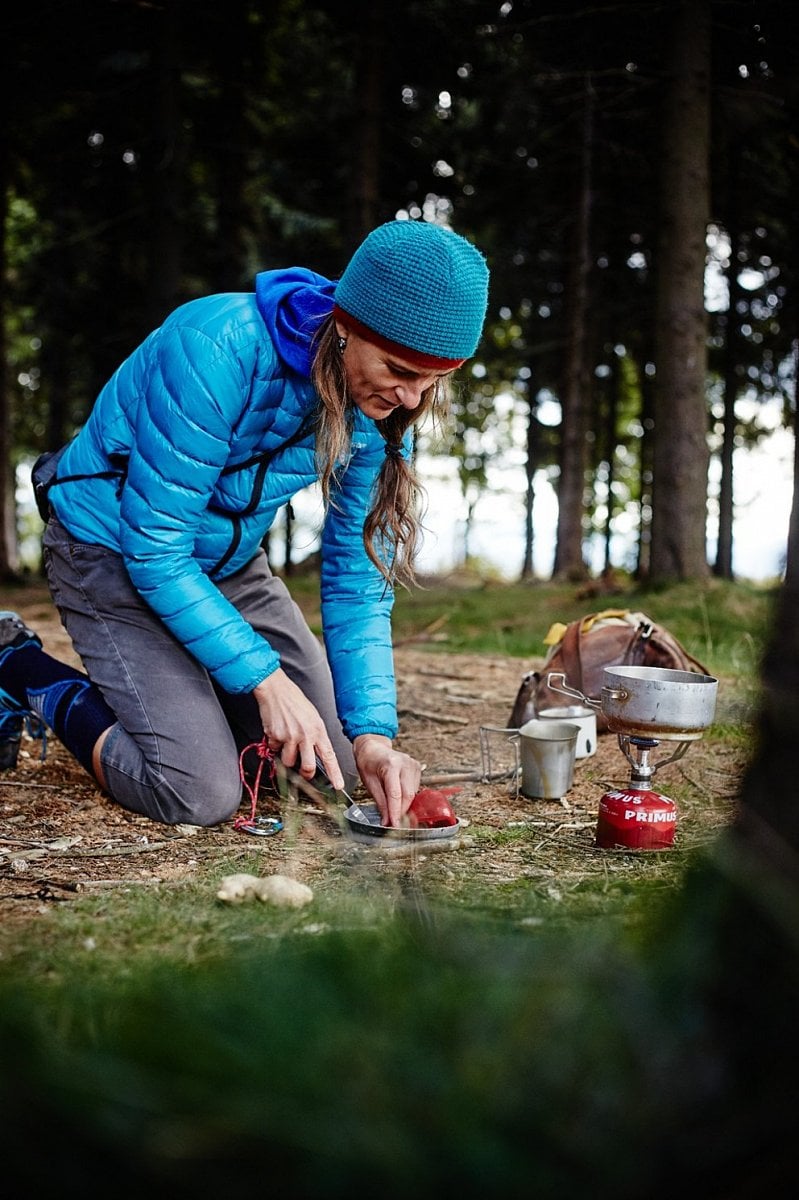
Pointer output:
x,y
169,482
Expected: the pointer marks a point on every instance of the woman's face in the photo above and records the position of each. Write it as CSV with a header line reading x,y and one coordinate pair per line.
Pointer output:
x,y
380,381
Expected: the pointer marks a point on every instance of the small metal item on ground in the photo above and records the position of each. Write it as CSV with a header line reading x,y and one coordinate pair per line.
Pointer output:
x,y
508,739
265,826
261,826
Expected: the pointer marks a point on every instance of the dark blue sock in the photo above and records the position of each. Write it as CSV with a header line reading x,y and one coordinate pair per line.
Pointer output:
x,y
26,666
65,698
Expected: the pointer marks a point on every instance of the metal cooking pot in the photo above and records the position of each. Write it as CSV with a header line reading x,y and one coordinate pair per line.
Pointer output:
x,y
652,701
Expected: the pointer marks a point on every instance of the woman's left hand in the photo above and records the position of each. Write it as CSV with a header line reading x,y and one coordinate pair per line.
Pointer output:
x,y
391,778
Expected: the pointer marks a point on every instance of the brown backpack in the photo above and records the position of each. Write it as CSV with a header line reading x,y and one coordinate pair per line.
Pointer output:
x,y
583,649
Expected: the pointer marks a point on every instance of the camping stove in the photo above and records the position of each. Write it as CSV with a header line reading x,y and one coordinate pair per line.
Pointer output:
x,y
635,817
644,706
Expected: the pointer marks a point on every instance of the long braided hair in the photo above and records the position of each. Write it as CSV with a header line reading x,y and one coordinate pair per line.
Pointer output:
x,y
394,523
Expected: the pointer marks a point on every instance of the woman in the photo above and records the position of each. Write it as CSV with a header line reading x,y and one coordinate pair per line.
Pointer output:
x,y
160,504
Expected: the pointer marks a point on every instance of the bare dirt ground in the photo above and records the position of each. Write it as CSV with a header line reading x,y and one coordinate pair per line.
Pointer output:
x,y
61,838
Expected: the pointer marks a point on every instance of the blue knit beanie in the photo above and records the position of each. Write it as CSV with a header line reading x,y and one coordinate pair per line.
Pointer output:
x,y
417,287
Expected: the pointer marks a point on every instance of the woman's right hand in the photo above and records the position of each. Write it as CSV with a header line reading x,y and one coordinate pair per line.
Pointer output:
x,y
294,729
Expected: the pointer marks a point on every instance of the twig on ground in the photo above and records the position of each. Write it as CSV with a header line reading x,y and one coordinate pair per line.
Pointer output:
x,y
444,674
466,777
557,830
424,635
111,852
50,787
428,716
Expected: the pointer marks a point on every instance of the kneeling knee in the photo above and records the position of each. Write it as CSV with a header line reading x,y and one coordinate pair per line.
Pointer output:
x,y
204,806
215,809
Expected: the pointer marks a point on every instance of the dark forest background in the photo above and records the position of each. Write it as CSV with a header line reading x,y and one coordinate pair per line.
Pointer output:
x,y
600,155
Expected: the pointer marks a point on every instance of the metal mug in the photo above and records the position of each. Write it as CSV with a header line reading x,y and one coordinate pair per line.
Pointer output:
x,y
547,750
580,715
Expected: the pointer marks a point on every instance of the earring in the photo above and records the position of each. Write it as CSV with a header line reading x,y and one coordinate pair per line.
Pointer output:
x,y
342,342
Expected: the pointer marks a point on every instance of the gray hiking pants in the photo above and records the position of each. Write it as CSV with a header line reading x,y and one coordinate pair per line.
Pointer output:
x,y
174,753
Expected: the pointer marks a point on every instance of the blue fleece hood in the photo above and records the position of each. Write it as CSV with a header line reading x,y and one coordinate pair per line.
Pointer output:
x,y
293,302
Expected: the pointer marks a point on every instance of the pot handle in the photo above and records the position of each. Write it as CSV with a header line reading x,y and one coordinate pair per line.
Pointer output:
x,y
568,691
615,693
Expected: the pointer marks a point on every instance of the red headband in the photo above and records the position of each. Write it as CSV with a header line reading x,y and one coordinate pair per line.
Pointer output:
x,y
417,357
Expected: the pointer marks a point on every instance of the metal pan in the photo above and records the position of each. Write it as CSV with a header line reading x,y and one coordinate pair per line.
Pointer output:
x,y
372,831
657,702
362,821
651,702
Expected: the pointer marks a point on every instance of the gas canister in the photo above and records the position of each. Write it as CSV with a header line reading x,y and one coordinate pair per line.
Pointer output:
x,y
635,819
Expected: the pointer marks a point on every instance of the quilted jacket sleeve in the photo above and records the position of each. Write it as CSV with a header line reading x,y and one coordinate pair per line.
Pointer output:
x,y
357,603
193,396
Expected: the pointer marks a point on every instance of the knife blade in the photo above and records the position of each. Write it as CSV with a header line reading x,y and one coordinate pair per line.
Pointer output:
x,y
322,781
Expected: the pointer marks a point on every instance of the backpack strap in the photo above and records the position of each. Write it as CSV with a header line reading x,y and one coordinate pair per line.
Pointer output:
x,y
574,639
44,476
262,460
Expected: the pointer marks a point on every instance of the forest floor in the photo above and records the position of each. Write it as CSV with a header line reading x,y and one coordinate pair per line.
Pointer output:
x,y
61,838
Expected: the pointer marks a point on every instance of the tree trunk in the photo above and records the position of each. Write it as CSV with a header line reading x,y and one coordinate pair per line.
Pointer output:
x,y
8,503
611,421
573,452
723,563
530,464
365,176
166,171
233,216
646,471
792,554
681,451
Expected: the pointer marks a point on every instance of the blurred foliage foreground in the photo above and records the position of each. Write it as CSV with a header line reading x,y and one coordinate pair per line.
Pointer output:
x,y
428,1056
425,1060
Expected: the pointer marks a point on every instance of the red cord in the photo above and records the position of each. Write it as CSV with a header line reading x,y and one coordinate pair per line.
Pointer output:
x,y
266,756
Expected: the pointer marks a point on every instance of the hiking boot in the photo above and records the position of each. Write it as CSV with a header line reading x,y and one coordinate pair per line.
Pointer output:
x,y
13,716
10,737
14,632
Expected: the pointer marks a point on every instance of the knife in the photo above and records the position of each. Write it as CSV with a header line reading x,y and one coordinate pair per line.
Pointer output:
x,y
321,780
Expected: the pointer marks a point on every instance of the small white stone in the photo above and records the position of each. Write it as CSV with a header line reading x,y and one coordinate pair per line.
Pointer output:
x,y
235,888
283,891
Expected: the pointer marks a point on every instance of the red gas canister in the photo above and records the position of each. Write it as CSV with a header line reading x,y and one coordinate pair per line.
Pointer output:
x,y
636,820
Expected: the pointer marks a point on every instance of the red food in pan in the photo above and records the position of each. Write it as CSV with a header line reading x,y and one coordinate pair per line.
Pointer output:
x,y
431,808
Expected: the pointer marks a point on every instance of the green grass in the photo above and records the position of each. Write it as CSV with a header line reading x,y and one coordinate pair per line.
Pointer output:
x,y
722,623
131,931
